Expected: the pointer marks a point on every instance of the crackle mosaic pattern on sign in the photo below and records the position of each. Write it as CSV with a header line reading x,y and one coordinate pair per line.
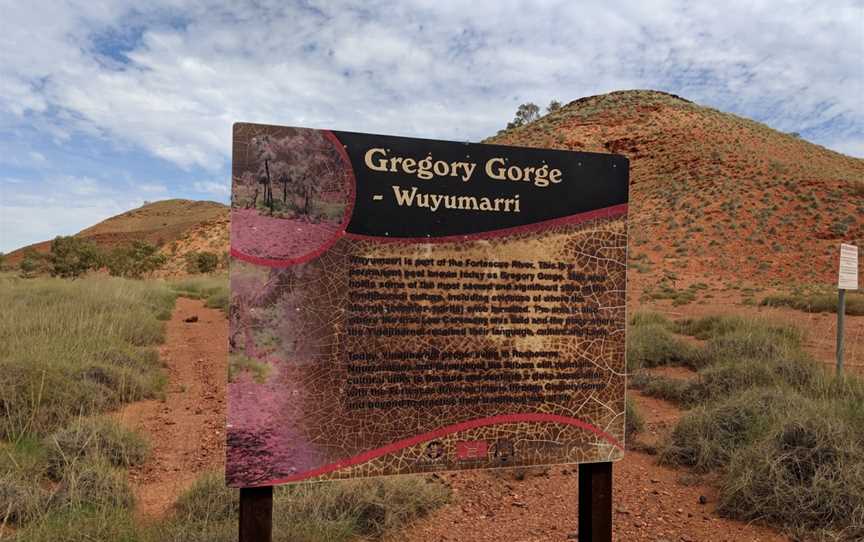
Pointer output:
x,y
300,413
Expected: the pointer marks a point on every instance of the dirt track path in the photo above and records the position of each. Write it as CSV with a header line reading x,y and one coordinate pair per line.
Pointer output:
x,y
186,431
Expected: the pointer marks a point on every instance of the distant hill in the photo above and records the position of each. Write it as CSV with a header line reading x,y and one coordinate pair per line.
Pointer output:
x,y
714,197
172,224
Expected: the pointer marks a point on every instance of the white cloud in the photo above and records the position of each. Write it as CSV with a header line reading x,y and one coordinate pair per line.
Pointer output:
x,y
852,147
153,188
420,68
31,212
214,188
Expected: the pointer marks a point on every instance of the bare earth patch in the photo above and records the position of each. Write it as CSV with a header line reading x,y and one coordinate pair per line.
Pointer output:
x,y
186,431
651,503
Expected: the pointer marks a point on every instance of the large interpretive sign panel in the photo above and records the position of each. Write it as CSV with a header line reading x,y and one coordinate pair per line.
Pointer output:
x,y
405,305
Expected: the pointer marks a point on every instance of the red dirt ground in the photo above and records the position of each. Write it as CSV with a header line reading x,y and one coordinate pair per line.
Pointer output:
x,y
187,429
651,502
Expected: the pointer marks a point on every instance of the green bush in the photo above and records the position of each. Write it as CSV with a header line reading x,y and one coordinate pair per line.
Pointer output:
x,y
136,260
71,256
33,264
201,262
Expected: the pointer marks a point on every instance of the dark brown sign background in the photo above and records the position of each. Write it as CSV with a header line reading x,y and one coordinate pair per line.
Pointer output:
x,y
374,334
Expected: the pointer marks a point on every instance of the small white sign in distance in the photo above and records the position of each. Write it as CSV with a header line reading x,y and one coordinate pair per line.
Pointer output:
x,y
848,278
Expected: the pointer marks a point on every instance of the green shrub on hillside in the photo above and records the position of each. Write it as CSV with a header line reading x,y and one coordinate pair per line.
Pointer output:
x,y
136,260
33,264
71,257
201,262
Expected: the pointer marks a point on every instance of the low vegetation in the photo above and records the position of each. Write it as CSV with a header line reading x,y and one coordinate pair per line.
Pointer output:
x,y
207,512
201,262
787,436
816,302
651,342
213,289
318,512
75,348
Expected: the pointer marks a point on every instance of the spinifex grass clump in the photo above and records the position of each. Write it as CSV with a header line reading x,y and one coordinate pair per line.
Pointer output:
x,y
95,439
807,473
788,437
72,348
633,421
651,343
708,436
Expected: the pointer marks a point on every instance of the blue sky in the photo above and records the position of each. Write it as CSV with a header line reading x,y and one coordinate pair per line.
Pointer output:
x,y
107,104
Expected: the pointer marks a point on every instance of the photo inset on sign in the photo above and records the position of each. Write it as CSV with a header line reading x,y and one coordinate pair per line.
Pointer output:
x,y
292,190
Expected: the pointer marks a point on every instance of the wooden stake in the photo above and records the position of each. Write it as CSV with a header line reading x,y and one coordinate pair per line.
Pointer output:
x,y
256,514
595,502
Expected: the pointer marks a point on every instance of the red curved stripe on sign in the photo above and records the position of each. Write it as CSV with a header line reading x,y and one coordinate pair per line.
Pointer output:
x,y
606,212
270,262
443,431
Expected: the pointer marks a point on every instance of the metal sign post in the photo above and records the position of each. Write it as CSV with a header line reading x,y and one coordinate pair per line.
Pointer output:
x,y
841,314
847,280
